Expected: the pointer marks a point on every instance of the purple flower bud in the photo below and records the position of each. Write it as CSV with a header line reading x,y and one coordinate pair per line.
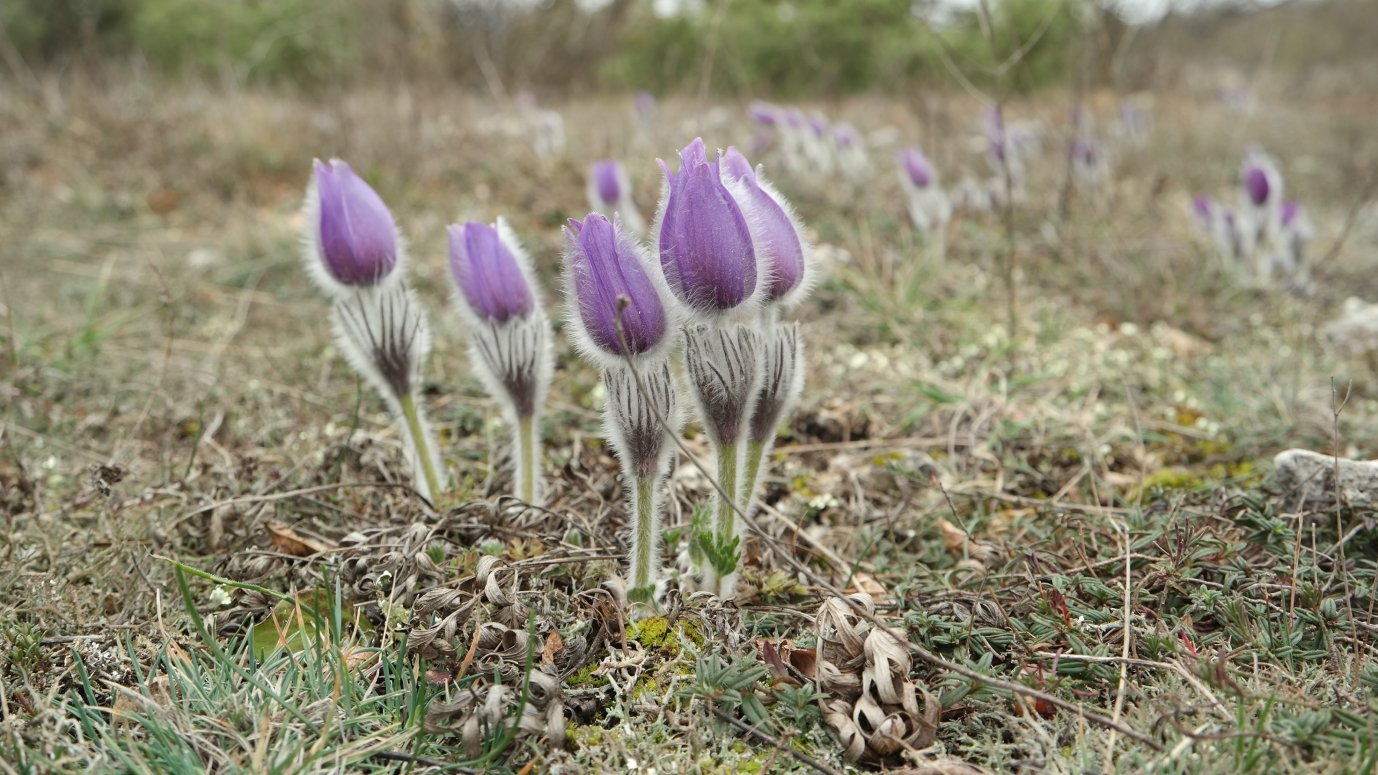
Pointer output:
x,y
1290,211
846,137
763,113
645,104
819,124
778,244
356,238
705,246
1203,207
607,182
1084,151
488,273
1256,184
604,273
917,167
997,149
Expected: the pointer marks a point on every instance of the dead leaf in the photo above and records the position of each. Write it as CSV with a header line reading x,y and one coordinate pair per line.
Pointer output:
x,y
554,644
289,541
866,583
959,544
805,661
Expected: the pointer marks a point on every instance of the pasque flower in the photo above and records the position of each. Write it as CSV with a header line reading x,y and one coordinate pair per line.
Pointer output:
x,y
704,242
917,168
929,207
1290,261
1088,162
616,293
352,235
494,283
1260,208
782,248
620,319
710,253
776,233
610,193
509,335
354,251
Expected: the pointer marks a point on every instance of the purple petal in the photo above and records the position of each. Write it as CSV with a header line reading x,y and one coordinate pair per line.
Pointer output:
x,y
1256,184
917,167
488,274
735,166
705,247
1203,207
607,182
1290,211
780,250
763,113
358,239
605,270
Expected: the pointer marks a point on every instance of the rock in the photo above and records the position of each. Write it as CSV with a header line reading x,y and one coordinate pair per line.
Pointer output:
x,y
1315,478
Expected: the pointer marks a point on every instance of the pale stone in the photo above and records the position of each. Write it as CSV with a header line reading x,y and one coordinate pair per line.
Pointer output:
x,y
1313,476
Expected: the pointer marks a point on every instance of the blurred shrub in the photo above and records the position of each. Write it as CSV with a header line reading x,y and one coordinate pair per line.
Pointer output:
x,y
45,30
244,39
793,47
301,40
784,48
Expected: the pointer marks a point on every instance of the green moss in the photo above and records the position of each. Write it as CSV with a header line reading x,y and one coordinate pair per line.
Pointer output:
x,y
1169,480
585,735
655,634
644,687
584,677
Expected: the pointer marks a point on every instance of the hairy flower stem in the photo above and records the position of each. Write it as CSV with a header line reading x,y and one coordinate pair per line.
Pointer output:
x,y
727,477
643,539
729,473
755,455
524,449
420,443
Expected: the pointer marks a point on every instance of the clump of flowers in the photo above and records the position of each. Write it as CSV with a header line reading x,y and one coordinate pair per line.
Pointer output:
x,y
509,335
1260,204
610,194
929,207
711,266
1265,238
621,320
734,257
356,255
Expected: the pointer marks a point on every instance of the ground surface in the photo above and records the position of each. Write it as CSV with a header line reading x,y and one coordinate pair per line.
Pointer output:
x,y
1083,509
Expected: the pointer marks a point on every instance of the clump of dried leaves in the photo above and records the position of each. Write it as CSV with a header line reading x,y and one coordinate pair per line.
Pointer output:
x,y
872,705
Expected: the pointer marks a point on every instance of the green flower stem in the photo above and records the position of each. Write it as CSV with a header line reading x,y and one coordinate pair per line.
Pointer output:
x,y
527,444
727,479
643,535
755,454
418,440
